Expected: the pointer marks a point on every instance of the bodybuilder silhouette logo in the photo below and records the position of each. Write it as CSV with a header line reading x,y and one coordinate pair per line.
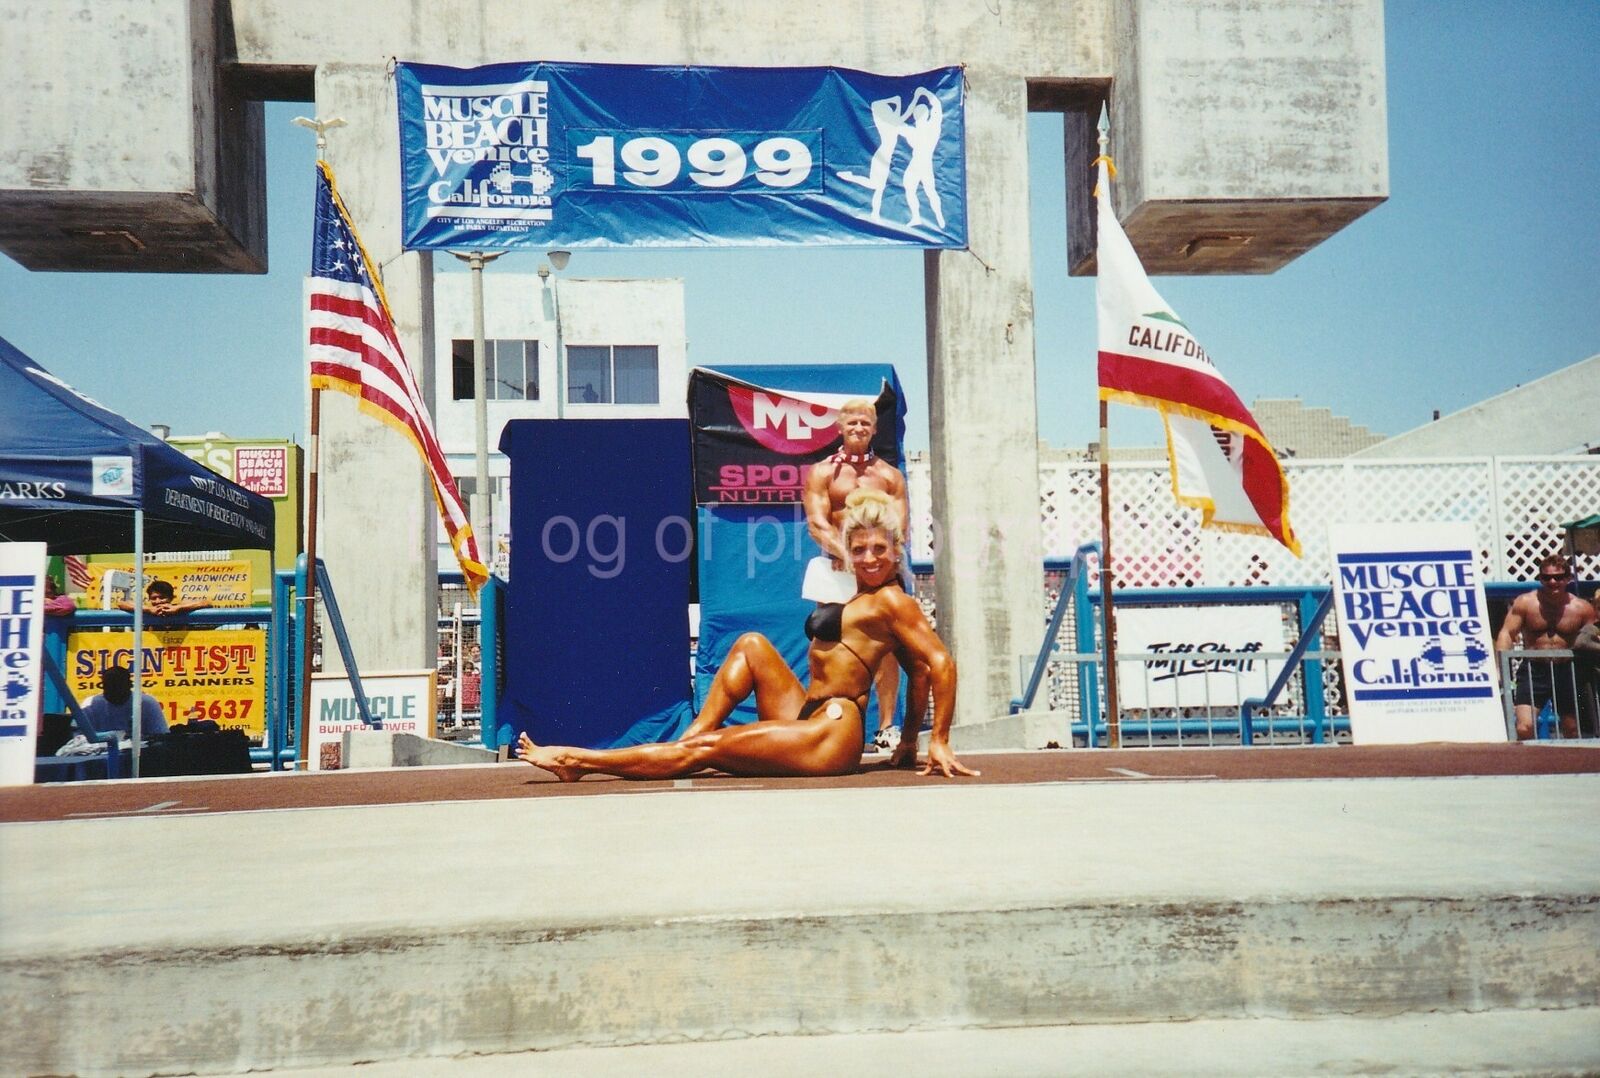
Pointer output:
x,y
920,123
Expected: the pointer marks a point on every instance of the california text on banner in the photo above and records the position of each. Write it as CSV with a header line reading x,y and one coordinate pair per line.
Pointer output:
x,y
1221,462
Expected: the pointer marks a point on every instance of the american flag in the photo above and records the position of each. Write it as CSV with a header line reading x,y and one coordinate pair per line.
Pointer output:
x,y
77,572
354,349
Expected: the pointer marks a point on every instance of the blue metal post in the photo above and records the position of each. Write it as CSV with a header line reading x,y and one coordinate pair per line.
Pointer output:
x,y
330,603
1089,672
1316,706
279,671
490,608
296,661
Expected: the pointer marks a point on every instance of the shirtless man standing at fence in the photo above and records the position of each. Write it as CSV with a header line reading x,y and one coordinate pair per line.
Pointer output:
x,y
828,578
1544,620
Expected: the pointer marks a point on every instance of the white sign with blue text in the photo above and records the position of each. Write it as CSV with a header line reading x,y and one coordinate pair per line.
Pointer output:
x,y
22,568
1419,664
403,701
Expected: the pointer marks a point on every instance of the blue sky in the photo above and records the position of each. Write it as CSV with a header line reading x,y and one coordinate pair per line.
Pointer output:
x,y
1481,272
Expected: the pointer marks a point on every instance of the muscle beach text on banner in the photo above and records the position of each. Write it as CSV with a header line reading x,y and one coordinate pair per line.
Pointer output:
x,y
572,155
1414,634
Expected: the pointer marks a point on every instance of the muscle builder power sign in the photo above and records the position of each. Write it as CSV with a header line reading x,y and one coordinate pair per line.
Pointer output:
x,y
753,444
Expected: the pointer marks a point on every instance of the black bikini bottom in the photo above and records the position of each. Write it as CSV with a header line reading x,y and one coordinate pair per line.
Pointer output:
x,y
811,707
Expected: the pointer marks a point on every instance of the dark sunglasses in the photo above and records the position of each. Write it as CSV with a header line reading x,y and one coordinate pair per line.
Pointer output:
x,y
1555,578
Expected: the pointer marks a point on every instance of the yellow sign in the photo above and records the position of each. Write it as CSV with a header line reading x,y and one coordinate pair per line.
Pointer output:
x,y
216,674
210,583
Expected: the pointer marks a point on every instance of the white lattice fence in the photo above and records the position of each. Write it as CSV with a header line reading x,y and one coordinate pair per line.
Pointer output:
x,y
1537,494
1514,504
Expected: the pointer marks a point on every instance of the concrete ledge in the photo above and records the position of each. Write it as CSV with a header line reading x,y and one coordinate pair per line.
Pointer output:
x,y
1489,1042
508,988
396,932
389,748
1027,730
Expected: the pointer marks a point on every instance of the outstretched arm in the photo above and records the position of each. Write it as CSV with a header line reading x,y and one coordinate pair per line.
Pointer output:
x,y
819,519
917,638
917,684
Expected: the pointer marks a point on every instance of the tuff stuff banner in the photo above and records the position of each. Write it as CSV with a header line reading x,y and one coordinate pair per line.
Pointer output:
x,y
600,155
753,445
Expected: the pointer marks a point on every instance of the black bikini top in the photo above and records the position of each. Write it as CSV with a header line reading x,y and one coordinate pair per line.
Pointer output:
x,y
825,623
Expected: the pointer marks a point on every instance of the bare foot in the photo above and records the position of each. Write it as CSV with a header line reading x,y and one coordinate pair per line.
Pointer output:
x,y
547,757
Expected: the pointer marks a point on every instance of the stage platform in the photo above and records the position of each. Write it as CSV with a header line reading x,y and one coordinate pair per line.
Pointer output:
x,y
280,921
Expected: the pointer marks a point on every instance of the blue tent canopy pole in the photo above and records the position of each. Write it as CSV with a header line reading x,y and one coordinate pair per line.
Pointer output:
x,y
136,666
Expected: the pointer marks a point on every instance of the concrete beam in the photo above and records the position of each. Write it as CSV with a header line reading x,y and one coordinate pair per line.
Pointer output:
x,y
379,518
121,147
390,748
1245,133
981,412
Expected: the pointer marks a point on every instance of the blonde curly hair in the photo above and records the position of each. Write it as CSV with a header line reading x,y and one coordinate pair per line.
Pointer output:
x,y
865,508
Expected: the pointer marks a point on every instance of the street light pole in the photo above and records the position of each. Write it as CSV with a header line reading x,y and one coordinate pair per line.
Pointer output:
x,y
559,260
480,503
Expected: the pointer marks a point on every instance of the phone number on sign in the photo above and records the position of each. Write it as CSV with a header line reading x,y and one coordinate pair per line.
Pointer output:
x,y
227,710
685,162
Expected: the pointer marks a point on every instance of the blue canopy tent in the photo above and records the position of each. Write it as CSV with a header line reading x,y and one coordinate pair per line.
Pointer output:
x,y
83,480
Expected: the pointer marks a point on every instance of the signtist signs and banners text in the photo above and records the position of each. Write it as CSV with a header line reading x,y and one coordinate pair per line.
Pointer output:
x,y
215,674
22,568
547,155
1414,634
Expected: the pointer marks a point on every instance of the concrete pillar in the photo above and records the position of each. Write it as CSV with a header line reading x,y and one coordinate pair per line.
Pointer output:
x,y
378,517
982,417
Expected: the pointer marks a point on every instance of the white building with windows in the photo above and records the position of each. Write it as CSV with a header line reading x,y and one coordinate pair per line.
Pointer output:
x,y
622,349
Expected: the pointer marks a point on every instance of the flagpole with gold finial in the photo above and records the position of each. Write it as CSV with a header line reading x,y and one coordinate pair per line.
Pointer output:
x,y
308,610
1108,615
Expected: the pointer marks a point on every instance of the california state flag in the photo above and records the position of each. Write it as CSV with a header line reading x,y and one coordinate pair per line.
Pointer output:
x,y
1221,462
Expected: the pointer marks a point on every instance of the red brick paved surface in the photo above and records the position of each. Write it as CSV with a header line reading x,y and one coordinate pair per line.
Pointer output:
x,y
413,785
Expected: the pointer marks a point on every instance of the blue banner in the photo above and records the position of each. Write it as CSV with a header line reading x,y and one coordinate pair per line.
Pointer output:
x,y
607,155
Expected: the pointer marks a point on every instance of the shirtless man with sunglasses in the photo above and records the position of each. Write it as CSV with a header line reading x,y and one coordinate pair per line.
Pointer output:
x,y
1547,619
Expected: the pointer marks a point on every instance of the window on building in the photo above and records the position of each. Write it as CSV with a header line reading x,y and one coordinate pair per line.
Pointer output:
x,y
467,485
510,369
613,374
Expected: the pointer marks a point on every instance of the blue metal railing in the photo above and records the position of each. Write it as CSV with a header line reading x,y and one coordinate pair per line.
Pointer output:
x,y
212,617
1307,599
1076,579
1310,631
111,740
284,676
492,733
